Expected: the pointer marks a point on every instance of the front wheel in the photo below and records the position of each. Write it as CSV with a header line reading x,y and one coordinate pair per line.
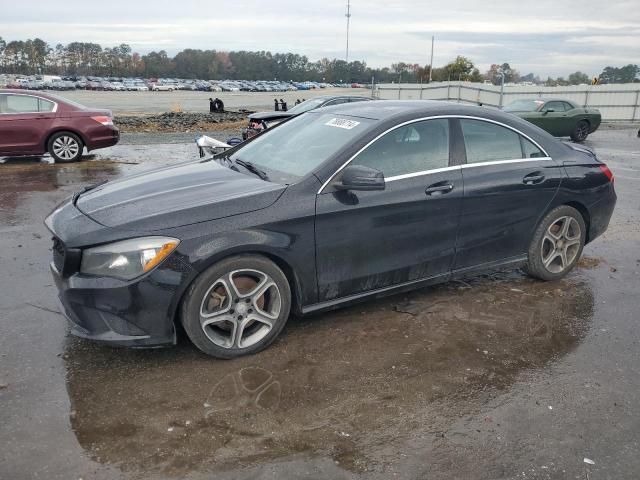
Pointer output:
x,y
237,307
580,132
557,244
65,147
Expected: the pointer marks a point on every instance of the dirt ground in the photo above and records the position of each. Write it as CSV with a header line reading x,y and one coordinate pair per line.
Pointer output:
x,y
493,377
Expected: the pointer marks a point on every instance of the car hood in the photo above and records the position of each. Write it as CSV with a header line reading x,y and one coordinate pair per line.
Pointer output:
x,y
175,196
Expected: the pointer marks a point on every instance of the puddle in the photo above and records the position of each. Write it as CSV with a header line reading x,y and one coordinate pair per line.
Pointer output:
x,y
347,385
25,178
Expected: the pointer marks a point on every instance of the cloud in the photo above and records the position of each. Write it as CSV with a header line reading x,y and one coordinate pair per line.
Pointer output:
x,y
548,37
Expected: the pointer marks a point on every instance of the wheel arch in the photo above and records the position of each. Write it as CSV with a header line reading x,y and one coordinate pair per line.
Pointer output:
x,y
294,282
62,130
586,216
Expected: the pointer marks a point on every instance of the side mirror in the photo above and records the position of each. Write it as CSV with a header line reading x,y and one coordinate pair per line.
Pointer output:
x,y
549,110
358,177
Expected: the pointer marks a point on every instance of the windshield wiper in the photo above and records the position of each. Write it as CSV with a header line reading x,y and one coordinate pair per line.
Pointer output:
x,y
252,168
233,165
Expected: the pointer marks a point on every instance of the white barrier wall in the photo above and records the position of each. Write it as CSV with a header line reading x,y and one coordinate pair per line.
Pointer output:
x,y
620,102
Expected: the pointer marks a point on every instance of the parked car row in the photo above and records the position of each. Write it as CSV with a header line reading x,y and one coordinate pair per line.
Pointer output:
x,y
53,82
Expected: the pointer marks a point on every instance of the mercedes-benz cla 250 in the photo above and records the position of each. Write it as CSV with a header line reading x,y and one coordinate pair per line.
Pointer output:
x,y
332,207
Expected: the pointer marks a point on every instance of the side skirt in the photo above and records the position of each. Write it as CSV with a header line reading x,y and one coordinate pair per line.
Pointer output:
x,y
511,262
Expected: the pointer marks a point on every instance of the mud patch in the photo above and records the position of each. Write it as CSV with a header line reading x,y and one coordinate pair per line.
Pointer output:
x,y
590,262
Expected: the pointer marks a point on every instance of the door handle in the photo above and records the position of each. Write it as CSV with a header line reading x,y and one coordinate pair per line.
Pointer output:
x,y
533,178
438,188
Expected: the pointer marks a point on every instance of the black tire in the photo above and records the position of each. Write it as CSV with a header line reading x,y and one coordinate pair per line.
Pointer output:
x,y
204,290
542,246
65,147
581,131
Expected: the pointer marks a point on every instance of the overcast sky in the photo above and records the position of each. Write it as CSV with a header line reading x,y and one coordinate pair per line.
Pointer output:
x,y
547,37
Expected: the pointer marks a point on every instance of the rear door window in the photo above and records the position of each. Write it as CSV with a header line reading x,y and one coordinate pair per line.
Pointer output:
x,y
45,105
488,142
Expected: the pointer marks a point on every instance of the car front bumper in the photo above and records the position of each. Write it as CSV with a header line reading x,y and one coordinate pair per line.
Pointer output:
x,y
138,313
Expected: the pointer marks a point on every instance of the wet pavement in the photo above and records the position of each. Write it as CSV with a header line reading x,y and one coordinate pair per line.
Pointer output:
x,y
497,376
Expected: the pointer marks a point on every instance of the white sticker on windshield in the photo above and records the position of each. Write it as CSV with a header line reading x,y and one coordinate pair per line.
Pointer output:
x,y
342,123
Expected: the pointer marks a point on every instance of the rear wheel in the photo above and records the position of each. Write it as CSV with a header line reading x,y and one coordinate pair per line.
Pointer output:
x,y
557,244
237,307
65,147
581,131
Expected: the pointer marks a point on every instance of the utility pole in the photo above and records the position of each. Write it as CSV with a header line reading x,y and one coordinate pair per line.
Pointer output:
x,y
348,15
501,87
431,65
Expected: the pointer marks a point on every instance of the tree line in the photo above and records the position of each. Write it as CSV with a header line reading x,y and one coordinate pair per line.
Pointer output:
x,y
35,56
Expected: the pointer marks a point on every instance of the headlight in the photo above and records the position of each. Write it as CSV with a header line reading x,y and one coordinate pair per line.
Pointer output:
x,y
127,259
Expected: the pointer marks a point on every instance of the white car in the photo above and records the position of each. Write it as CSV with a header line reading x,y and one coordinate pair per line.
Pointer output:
x,y
162,87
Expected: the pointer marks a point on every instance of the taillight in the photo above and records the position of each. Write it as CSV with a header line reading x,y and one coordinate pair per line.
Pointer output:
x,y
104,120
608,173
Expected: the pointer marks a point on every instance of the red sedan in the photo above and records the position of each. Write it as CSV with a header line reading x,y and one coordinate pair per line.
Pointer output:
x,y
33,123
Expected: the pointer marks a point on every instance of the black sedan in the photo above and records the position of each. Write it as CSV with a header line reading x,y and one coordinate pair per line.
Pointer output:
x,y
332,207
260,121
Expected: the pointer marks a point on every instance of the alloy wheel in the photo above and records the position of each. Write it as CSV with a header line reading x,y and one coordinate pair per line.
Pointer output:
x,y
561,244
582,131
66,147
240,308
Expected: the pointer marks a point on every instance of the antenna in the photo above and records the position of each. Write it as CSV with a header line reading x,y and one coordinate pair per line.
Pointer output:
x,y
348,15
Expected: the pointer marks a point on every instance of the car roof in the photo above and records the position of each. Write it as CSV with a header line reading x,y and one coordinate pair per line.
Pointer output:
x,y
546,99
570,102
36,93
387,109
331,97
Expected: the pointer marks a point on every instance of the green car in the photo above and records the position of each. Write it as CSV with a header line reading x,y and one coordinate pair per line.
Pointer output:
x,y
561,118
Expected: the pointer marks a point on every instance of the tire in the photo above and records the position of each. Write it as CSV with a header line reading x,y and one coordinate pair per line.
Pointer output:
x,y
65,147
580,132
228,321
557,244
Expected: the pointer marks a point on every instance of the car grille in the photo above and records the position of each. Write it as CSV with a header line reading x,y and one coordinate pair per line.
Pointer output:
x,y
58,254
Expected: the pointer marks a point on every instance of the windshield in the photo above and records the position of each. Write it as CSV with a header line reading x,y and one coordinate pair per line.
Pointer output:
x,y
301,144
524,106
307,105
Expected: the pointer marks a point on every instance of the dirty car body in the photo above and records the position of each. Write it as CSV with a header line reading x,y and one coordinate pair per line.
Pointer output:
x,y
353,207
